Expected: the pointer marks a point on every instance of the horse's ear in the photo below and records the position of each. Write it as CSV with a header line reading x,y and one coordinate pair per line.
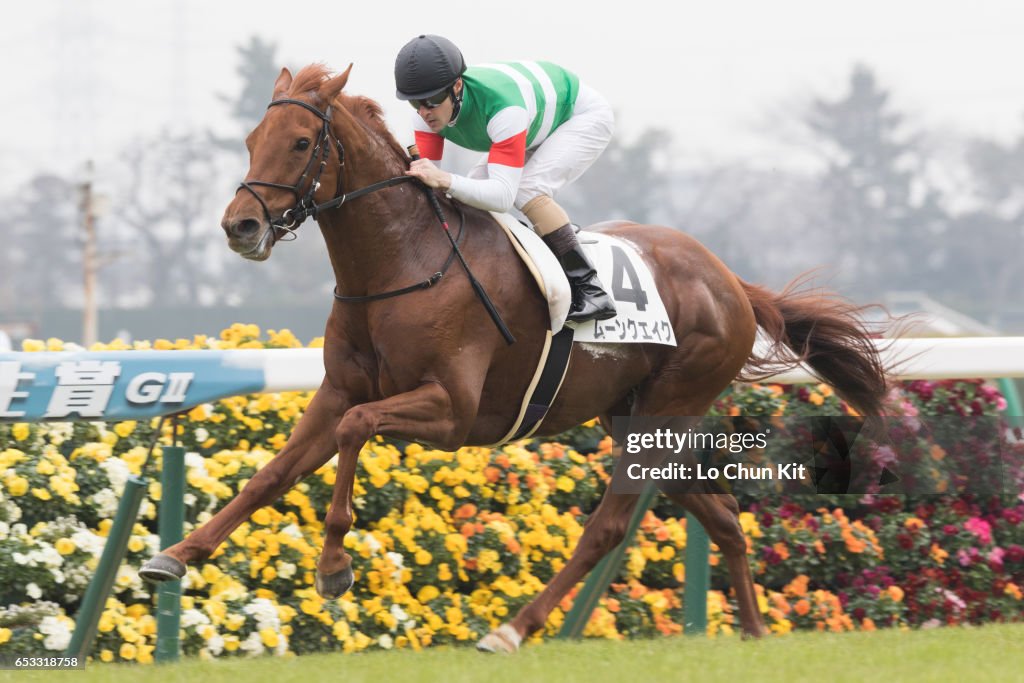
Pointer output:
x,y
330,89
284,81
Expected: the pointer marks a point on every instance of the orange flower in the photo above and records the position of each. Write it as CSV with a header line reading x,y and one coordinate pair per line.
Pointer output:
x,y
781,549
896,593
612,604
493,474
466,511
868,625
913,523
802,607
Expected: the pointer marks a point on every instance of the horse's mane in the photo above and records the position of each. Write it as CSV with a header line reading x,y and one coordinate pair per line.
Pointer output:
x,y
365,110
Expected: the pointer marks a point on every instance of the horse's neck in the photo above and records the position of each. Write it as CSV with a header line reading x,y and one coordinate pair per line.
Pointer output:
x,y
374,239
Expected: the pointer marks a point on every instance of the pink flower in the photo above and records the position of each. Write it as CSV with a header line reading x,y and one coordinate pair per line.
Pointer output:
x,y
996,557
980,528
885,456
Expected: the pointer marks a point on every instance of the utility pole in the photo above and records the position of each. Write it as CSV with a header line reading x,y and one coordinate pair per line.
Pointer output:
x,y
90,262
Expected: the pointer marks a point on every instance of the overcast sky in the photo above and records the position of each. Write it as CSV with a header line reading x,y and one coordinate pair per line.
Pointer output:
x,y
84,77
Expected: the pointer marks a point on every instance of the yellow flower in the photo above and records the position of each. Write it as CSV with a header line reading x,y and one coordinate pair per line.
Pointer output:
x,y
33,345
268,637
106,656
17,486
128,651
20,431
64,546
427,593
41,494
124,429
5,635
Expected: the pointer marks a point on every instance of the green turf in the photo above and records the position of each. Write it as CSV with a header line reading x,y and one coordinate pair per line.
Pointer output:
x,y
990,653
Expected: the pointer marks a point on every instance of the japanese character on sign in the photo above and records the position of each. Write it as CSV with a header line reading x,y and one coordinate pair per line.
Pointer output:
x,y
83,387
10,376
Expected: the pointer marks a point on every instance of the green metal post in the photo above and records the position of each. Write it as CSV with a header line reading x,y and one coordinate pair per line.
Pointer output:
x,y
171,526
698,578
1008,388
95,600
597,583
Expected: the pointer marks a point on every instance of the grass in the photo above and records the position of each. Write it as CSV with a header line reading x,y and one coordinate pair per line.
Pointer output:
x,y
989,653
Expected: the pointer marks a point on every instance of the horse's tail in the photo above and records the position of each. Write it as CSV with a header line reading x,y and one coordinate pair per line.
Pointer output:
x,y
823,331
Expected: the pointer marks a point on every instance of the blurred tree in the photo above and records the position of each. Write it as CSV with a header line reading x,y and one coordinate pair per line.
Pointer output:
x,y
883,216
258,68
987,240
169,203
40,264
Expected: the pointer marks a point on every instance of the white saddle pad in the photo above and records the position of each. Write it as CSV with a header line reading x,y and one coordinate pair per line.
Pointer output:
x,y
641,316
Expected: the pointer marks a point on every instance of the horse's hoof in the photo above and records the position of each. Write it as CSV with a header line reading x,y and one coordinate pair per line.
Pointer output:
x,y
331,586
502,639
161,567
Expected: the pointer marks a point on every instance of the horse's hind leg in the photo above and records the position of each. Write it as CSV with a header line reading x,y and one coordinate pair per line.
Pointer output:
x,y
310,446
718,513
604,529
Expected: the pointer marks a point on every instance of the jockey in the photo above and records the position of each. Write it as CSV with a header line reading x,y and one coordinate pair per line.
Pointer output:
x,y
541,129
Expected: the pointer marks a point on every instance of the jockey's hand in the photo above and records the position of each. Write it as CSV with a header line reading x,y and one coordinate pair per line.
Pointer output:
x,y
431,175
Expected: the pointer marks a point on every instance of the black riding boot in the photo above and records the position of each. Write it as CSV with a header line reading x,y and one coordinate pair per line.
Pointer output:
x,y
589,300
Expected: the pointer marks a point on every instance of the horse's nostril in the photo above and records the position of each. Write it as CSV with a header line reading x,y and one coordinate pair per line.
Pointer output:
x,y
247,227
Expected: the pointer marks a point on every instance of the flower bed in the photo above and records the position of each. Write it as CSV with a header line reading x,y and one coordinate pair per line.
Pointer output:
x,y
448,545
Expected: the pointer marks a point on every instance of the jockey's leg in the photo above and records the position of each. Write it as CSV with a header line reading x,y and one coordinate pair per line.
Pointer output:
x,y
426,413
559,160
589,299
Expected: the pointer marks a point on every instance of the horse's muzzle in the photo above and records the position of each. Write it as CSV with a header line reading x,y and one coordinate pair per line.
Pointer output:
x,y
250,238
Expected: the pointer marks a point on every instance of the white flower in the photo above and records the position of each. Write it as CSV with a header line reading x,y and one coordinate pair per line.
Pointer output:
x,y
105,502
396,559
57,633
398,613
215,645
386,642
5,530
286,570
190,499
194,461
201,435
193,617
117,472
21,560
252,645
33,591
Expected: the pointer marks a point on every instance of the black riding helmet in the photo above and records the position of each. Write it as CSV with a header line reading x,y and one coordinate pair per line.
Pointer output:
x,y
427,65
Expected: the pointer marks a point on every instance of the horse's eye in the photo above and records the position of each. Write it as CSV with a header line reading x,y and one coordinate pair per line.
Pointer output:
x,y
302,145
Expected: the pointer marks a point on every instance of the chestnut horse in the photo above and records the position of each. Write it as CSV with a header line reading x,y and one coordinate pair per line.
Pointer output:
x,y
431,366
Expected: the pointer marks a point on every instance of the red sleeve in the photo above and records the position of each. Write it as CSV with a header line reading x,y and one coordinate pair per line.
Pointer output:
x,y
509,152
431,145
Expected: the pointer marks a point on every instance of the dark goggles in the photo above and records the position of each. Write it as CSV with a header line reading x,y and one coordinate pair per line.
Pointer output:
x,y
431,102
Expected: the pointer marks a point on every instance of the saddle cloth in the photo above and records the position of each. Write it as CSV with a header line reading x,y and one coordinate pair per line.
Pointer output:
x,y
641,317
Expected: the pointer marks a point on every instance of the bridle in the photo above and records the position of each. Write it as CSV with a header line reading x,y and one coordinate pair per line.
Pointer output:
x,y
306,206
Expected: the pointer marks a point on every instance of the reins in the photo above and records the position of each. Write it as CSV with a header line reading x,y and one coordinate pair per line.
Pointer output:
x,y
306,206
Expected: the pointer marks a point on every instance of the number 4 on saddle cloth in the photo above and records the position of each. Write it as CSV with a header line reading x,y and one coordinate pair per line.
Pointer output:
x,y
640,317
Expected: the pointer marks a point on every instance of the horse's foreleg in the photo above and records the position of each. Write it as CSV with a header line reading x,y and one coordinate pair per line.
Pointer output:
x,y
309,447
425,413
719,514
604,530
